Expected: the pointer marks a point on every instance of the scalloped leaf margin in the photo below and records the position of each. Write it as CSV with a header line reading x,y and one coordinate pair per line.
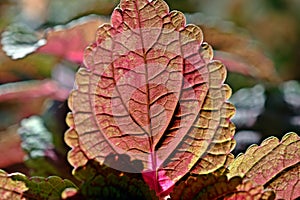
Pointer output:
x,y
18,186
150,89
274,164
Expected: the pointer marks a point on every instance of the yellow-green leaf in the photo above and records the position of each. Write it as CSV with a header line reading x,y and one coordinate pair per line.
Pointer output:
x,y
274,164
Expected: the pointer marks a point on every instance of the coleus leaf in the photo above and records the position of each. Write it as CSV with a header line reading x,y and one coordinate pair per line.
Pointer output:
x,y
150,89
65,41
102,182
215,186
18,186
9,188
44,188
274,164
249,190
205,187
68,41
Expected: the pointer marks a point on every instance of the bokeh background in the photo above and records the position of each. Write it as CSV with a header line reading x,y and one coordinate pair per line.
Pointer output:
x,y
259,41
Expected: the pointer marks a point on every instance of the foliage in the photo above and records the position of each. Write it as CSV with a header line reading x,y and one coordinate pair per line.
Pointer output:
x,y
150,117
18,186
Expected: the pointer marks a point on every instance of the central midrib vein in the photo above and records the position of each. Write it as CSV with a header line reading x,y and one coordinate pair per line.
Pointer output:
x,y
151,140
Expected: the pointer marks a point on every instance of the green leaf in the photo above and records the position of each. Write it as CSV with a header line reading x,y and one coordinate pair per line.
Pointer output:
x,y
18,186
102,182
44,188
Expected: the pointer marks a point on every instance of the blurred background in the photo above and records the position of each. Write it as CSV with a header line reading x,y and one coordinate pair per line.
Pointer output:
x,y
257,40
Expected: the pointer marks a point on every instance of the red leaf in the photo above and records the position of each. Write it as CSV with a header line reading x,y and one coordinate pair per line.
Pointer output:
x,y
69,41
151,90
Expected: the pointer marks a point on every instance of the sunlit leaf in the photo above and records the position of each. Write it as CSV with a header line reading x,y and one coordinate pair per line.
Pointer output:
x,y
218,186
286,184
274,164
9,188
150,89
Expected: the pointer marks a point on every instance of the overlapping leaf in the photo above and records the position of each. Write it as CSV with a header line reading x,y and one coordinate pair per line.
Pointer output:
x,y
217,186
237,51
69,41
18,186
205,187
66,41
102,182
249,190
150,89
10,189
274,164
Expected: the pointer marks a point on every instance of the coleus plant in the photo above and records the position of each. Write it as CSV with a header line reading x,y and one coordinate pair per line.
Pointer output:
x,y
150,120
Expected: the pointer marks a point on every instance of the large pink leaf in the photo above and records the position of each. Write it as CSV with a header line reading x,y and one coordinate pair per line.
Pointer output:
x,y
150,89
